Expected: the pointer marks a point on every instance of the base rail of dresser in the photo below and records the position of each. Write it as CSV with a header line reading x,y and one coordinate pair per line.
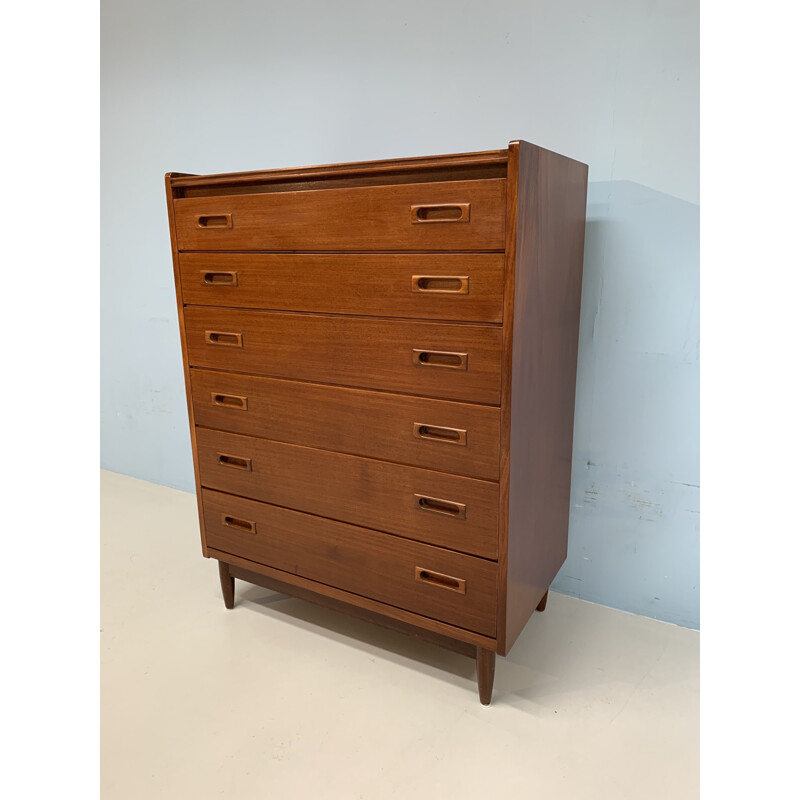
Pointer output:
x,y
294,582
465,642
354,611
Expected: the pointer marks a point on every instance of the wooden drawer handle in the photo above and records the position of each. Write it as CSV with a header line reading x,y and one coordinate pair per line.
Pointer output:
x,y
229,400
236,462
436,433
442,581
439,358
241,525
438,506
448,212
224,338
220,278
214,221
440,284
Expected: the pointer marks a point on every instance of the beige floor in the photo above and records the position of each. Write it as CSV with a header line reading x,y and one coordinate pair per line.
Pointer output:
x,y
281,699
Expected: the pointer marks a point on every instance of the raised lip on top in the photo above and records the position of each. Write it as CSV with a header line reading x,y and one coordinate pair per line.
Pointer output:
x,y
488,157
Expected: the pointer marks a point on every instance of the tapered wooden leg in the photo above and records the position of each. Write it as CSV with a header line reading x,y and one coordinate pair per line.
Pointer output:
x,y
226,581
543,602
485,660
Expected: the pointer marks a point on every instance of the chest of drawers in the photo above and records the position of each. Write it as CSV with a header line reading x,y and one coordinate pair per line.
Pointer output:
x,y
380,366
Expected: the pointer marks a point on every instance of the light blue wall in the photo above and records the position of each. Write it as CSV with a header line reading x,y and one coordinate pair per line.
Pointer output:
x,y
634,526
614,84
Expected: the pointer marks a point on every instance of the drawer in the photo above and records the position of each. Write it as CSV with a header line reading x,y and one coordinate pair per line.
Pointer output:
x,y
466,286
454,361
437,583
437,434
432,507
451,215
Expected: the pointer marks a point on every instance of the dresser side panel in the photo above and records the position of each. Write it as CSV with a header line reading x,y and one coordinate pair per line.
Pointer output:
x,y
512,184
551,217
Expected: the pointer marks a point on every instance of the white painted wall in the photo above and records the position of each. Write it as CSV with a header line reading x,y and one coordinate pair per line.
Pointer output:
x,y
215,87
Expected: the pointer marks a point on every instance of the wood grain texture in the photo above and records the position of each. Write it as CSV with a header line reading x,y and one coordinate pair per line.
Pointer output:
x,y
362,491
350,351
311,358
512,186
361,218
345,180
356,421
386,169
485,662
353,283
364,562
548,255
168,180
227,584
437,626
447,642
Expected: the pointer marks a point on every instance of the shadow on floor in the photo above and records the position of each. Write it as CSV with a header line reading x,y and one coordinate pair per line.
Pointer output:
x,y
556,654
397,647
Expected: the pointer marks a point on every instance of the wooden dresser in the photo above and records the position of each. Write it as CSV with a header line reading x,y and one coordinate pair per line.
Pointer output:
x,y
380,366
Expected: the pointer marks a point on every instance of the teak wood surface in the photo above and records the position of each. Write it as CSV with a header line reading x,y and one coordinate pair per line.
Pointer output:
x,y
382,619
353,283
370,604
388,171
358,560
380,363
359,422
544,260
350,351
363,491
356,218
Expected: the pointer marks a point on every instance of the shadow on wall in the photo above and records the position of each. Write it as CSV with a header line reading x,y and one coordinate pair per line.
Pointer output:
x,y
634,523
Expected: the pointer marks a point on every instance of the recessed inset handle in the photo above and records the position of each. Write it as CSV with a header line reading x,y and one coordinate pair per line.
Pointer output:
x,y
439,506
436,433
440,284
237,462
242,525
214,221
224,338
447,212
229,400
440,358
439,579
220,278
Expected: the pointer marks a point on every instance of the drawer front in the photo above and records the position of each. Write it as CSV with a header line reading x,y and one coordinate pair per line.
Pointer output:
x,y
447,586
452,361
432,507
437,434
453,215
467,286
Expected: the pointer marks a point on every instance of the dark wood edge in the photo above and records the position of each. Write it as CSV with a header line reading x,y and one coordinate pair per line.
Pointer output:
x,y
543,602
226,584
414,620
348,168
512,186
485,662
353,611
168,178
535,544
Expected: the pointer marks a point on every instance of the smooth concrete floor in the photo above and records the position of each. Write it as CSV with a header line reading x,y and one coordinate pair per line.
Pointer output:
x,y
279,698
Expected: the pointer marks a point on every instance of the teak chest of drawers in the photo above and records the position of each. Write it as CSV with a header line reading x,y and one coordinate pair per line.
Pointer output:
x,y
380,366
